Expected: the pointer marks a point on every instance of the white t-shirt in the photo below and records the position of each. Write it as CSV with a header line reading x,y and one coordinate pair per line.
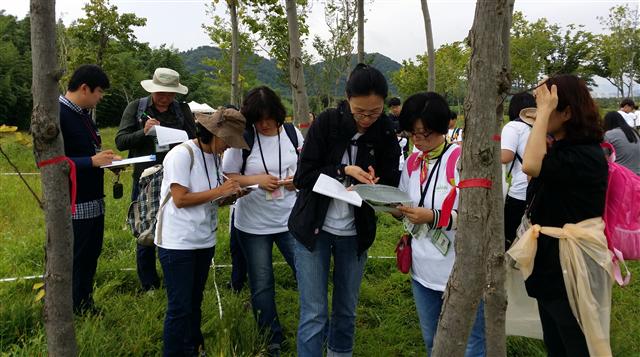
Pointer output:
x,y
514,138
191,227
402,142
429,267
455,135
630,118
340,219
255,214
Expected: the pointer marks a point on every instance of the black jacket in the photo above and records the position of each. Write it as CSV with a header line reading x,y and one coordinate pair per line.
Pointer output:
x,y
322,152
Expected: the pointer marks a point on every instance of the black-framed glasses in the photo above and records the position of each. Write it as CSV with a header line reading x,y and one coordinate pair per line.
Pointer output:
x,y
361,116
422,135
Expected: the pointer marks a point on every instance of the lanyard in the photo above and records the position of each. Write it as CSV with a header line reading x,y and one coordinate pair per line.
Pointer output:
x,y
264,163
423,191
92,131
216,158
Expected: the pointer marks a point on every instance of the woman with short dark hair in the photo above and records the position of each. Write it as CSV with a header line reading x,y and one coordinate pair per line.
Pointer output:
x,y
353,143
260,218
568,186
424,178
624,139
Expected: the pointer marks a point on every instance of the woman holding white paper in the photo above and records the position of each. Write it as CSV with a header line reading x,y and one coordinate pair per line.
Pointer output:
x,y
426,179
353,143
260,218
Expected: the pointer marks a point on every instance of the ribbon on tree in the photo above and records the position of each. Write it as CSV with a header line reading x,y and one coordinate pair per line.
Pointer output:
x,y
447,205
72,176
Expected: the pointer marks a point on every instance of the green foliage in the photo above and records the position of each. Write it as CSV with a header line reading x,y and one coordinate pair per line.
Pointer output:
x,y
451,64
15,66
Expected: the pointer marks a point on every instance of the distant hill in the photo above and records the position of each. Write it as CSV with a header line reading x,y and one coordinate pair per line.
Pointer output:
x,y
267,72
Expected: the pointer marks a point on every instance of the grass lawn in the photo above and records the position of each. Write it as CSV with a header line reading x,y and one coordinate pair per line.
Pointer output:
x,y
387,324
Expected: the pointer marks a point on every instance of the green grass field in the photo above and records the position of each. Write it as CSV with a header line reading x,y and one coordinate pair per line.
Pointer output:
x,y
387,324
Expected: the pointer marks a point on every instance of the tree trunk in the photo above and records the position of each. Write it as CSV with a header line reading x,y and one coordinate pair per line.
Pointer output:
x,y
47,141
235,64
360,31
431,81
495,295
481,211
296,69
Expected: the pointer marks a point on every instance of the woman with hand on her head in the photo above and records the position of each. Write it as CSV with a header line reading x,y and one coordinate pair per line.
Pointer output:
x,y
424,178
188,221
568,186
353,143
260,217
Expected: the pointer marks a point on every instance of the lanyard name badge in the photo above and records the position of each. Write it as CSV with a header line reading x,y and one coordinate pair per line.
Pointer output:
x,y
93,131
439,240
277,194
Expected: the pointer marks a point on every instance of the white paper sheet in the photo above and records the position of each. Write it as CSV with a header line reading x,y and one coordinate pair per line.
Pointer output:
x,y
130,161
168,136
331,187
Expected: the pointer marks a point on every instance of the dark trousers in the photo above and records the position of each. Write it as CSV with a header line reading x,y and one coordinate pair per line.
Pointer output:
x,y
513,212
145,258
185,276
88,235
561,332
238,261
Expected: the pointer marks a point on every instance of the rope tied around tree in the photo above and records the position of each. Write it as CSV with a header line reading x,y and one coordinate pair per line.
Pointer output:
x,y
72,176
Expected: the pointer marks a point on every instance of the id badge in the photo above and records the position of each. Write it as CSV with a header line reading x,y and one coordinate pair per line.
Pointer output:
x,y
278,194
440,241
416,230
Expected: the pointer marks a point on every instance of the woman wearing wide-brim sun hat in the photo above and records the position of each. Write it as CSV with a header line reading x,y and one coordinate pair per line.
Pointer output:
x,y
187,223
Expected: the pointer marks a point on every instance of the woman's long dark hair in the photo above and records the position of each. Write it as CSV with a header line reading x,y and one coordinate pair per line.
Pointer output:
x,y
614,120
584,125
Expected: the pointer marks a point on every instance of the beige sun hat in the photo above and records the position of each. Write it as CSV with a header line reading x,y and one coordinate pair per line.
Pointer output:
x,y
227,124
528,115
164,80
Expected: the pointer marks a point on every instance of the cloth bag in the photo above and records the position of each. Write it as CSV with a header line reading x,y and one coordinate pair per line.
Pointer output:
x,y
587,273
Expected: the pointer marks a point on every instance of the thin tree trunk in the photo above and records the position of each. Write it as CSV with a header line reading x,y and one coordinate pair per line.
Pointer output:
x,y
296,69
235,64
480,213
360,31
495,295
47,141
431,81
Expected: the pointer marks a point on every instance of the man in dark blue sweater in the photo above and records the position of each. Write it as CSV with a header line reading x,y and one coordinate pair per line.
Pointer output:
x,y
82,144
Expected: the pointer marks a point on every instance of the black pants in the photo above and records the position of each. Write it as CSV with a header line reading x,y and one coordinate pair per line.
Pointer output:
x,y
562,334
88,235
238,261
513,211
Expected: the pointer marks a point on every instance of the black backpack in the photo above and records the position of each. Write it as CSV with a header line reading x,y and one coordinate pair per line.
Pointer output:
x,y
250,135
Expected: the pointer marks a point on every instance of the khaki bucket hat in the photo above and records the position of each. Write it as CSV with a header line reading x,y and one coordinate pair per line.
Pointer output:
x,y
528,115
164,80
227,124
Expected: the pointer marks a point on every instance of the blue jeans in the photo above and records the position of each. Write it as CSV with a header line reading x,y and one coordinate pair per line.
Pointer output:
x,y
185,275
258,252
312,269
429,305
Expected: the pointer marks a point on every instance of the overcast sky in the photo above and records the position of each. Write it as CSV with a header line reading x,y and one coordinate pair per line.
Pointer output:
x,y
394,27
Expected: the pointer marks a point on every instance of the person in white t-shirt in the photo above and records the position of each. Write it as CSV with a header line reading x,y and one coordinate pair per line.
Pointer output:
x,y
513,142
627,110
424,178
454,134
260,217
187,223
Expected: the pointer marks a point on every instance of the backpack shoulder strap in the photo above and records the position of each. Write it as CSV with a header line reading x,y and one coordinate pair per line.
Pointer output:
x,y
249,137
290,129
178,110
190,150
411,162
451,165
142,106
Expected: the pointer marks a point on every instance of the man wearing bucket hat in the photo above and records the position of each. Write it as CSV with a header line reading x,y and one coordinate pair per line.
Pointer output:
x,y
192,186
160,108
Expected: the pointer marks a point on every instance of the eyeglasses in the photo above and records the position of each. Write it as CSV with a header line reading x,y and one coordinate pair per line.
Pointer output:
x,y
360,116
422,135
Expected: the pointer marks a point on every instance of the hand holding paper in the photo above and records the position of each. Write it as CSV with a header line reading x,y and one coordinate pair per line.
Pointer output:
x,y
168,136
